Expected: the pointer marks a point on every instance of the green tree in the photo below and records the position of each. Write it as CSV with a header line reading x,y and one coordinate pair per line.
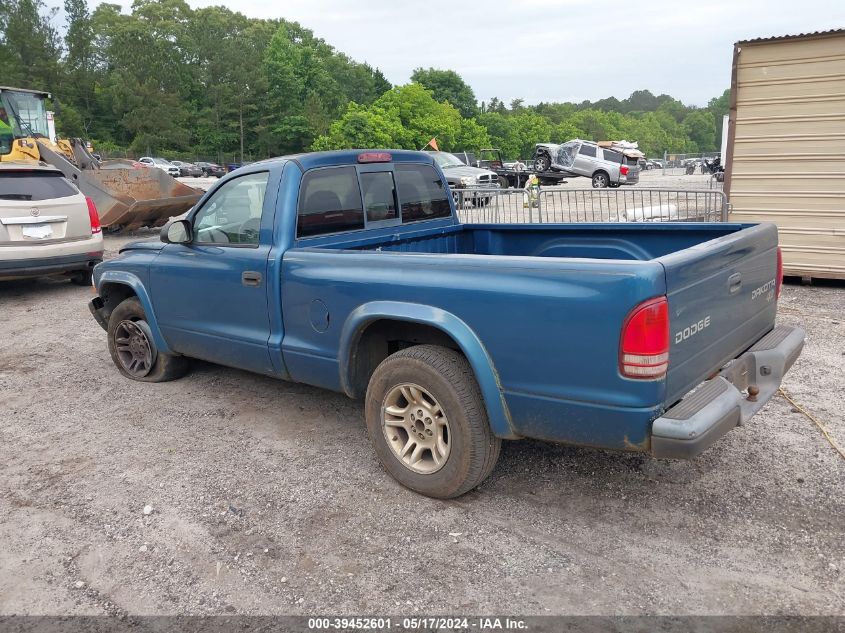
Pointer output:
x,y
406,117
700,127
719,107
447,85
310,85
30,45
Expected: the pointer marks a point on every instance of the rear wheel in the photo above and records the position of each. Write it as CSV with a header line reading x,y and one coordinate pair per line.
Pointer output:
x,y
600,180
428,424
82,278
133,348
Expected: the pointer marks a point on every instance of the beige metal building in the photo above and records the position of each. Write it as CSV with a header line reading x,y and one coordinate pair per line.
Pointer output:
x,y
785,159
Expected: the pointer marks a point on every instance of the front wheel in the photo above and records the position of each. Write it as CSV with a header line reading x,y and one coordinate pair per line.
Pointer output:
x,y
133,349
427,421
82,278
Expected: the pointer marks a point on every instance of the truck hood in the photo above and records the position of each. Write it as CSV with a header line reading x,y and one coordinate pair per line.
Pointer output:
x,y
143,245
466,171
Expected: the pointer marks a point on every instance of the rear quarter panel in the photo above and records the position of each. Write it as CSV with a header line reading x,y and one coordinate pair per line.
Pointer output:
x,y
551,328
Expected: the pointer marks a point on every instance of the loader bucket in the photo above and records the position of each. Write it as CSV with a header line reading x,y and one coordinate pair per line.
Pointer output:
x,y
129,198
126,197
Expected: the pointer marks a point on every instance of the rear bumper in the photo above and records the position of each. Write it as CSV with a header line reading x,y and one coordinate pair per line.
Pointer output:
x,y
38,267
727,400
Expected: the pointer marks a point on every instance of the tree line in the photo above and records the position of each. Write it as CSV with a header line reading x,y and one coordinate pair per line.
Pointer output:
x,y
209,82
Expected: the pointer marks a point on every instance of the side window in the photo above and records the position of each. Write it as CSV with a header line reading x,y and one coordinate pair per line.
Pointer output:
x,y
379,196
614,157
587,150
422,193
233,213
329,202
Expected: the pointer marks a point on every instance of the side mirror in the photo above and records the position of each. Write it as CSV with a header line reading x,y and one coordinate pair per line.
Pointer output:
x,y
176,232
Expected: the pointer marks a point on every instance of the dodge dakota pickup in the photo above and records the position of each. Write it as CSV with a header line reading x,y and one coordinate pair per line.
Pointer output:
x,y
350,271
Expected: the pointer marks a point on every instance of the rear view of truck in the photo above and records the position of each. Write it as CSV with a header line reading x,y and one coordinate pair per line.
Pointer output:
x,y
713,333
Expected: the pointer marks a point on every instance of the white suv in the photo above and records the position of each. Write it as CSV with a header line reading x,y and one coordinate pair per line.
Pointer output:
x,y
160,163
47,226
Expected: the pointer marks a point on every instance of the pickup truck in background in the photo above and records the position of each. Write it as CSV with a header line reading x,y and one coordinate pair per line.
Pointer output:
x,y
350,271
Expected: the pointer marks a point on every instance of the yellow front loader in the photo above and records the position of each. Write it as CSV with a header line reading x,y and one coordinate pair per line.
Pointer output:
x,y
127,194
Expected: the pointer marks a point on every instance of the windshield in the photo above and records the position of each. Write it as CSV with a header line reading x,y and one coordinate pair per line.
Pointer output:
x,y
24,113
445,160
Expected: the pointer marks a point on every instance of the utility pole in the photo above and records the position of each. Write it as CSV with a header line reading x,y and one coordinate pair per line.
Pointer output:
x,y
242,131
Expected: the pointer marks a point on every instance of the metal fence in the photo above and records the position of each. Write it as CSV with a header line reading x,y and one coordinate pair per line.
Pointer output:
x,y
554,205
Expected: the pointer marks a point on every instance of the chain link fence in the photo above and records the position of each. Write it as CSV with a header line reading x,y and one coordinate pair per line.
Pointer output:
x,y
552,205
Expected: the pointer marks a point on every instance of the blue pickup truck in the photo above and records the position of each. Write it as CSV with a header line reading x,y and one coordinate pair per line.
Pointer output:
x,y
350,271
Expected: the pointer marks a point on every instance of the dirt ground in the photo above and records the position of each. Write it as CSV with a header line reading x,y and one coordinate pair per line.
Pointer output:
x,y
266,497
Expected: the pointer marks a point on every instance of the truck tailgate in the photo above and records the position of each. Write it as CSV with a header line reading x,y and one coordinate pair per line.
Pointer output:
x,y
722,299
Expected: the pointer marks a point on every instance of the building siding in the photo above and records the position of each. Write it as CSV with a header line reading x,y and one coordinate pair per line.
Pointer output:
x,y
786,154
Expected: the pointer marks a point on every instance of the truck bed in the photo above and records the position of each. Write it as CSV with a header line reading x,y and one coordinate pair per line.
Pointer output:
x,y
560,294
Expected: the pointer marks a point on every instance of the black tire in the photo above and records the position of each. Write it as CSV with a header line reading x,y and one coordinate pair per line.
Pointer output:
x,y
600,180
163,367
543,163
82,278
447,376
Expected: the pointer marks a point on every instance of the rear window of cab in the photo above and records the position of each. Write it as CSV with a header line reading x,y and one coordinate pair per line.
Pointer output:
x,y
30,186
336,199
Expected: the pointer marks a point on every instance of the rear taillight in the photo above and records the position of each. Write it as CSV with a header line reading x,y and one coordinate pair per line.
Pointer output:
x,y
94,217
623,170
644,351
779,278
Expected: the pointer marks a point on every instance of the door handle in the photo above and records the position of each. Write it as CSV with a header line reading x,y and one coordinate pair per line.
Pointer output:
x,y
251,278
735,283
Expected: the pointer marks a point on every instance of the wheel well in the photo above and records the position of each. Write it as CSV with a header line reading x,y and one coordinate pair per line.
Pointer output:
x,y
601,171
384,337
112,295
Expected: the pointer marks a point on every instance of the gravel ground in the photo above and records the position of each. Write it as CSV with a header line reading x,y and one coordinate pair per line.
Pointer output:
x,y
265,497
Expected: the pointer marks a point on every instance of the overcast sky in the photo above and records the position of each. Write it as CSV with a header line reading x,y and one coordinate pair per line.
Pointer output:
x,y
551,50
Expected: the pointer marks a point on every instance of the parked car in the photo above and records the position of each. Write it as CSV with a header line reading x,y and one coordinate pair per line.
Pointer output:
x,y
603,166
653,163
361,279
187,169
211,169
161,163
464,178
47,227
